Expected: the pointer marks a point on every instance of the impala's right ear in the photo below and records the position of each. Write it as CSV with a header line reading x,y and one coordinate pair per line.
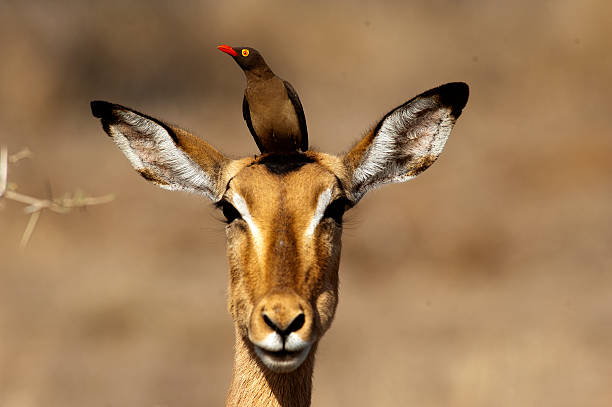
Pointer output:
x,y
406,141
167,156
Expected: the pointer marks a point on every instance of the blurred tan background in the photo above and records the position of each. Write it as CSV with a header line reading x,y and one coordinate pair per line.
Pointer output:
x,y
487,281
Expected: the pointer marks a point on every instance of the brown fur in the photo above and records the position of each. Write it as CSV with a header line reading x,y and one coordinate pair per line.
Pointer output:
x,y
421,165
150,176
290,265
283,206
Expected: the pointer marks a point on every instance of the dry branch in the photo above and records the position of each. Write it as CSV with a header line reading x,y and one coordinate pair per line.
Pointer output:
x,y
35,206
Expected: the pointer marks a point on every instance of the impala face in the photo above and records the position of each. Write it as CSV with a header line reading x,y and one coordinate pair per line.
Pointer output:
x,y
283,243
284,211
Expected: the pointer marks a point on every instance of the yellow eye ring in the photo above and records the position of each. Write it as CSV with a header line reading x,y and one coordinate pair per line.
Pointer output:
x,y
245,52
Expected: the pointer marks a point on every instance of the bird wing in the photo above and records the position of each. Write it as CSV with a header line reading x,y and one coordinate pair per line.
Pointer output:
x,y
246,114
299,110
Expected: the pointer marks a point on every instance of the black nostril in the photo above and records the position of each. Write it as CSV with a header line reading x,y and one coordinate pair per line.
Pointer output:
x,y
269,322
296,324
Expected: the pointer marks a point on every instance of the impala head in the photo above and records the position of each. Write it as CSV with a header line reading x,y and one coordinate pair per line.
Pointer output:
x,y
284,211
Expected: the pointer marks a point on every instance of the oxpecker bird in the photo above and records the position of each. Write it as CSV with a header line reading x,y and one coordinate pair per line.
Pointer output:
x,y
271,107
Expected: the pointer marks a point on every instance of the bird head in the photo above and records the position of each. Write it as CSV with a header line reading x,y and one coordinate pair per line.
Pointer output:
x,y
247,58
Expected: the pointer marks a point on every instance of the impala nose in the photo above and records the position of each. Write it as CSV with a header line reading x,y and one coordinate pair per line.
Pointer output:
x,y
282,312
281,321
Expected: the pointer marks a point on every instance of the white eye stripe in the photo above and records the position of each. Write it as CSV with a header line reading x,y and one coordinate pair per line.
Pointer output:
x,y
322,203
242,207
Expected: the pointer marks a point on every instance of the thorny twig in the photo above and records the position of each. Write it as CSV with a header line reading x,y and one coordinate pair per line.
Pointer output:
x,y
35,206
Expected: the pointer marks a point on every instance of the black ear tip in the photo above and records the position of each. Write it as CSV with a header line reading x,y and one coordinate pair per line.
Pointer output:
x,y
100,108
455,95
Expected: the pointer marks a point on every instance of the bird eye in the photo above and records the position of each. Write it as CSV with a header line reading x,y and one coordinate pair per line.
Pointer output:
x,y
335,210
245,52
230,213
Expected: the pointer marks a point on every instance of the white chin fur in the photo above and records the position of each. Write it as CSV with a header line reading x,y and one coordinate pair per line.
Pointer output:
x,y
282,363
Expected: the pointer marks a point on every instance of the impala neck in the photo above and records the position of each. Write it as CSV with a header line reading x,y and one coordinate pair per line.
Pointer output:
x,y
255,386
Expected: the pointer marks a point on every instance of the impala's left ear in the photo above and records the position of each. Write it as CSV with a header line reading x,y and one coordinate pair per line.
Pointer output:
x,y
165,155
406,141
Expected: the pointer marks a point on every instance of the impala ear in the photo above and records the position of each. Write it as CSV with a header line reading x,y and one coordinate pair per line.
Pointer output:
x,y
169,157
406,141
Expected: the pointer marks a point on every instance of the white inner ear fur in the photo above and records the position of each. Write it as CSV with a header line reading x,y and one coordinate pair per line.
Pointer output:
x,y
148,146
124,145
419,129
322,203
243,209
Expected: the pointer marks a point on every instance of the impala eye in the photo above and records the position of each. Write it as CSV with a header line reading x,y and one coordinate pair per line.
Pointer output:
x,y
230,213
245,52
335,210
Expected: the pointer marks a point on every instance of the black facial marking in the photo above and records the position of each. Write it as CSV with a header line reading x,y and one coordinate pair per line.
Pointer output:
x,y
108,113
284,163
336,209
229,211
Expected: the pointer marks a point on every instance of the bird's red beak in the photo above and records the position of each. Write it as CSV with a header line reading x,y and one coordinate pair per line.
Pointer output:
x,y
227,49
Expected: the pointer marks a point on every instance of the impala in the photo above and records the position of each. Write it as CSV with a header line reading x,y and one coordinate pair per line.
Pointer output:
x,y
284,222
